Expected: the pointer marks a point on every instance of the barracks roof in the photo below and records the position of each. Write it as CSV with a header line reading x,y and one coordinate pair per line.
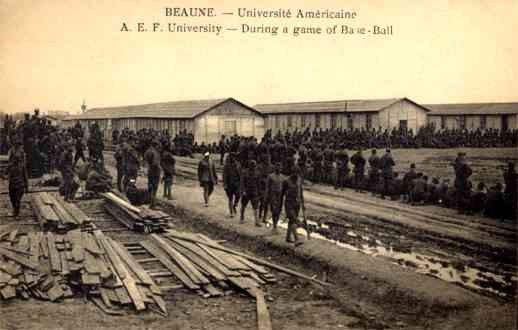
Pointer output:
x,y
332,106
473,108
172,110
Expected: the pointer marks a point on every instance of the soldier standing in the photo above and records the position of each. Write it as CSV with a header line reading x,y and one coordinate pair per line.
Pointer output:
x,y
359,169
231,182
374,168
152,158
67,171
207,177
273,196
119,159
292,194
168,166
249,188
386,164
462,185
79,151
342,167
17,173
131,164
328,164
265,169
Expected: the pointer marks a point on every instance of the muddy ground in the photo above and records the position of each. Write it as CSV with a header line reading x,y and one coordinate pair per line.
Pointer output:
x,y
293,303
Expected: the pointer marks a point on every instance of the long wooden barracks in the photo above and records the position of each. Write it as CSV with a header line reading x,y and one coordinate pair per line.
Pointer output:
x,y
346,114
209,119
206,119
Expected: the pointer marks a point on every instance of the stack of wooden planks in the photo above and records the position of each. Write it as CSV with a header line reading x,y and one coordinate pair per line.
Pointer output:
x,y
208,271
55,266
55,214
141,219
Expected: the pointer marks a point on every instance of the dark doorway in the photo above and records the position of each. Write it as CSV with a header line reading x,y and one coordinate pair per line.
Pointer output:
x,y
505,122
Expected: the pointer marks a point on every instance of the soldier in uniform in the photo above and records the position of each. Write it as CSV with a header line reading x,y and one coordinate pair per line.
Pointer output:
x,y
265,169
131,164
316,157
119,159
152,157
386,164
462,185
359,169
168,166
328,164
273,196
207,177
222,148
408,180
79,151
249,188
342,167
293,197
374,170
67,171
17,175
231,182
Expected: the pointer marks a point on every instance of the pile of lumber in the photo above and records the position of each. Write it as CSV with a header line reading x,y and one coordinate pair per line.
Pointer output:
x,y
141,219
204,269
52,267
55,214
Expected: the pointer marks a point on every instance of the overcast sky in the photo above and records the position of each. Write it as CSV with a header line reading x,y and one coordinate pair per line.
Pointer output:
x,y
55,53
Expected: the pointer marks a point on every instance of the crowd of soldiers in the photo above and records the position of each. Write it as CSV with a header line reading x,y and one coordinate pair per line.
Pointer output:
x,y
427,137
35,148
253,169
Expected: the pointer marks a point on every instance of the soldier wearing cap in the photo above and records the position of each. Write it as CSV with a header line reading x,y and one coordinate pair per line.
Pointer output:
x,y
207,177
386,164
250,191
231,182
359,169
17,175
168,166
293,197
152,158
131,163
273,195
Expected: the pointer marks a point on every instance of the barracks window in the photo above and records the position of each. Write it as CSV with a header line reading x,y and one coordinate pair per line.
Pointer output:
x,y
349,121
317,120
289,120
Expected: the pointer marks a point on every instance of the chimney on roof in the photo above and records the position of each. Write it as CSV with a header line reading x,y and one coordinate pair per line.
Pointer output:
x,y
83,107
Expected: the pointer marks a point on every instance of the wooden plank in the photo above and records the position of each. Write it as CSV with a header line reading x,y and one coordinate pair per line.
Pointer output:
x,y
65,270
166,261
251,265
19,259
254,259
90,264
99,303
76,239
91,245
196,260
55,260
118,201
123,296
263,315
183,262
8,292
206,257
79,216
223,258
61,212
136,267
128,281
211,289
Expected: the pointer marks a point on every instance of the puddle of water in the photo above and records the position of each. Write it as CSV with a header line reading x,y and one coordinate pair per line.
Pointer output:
x,y
423,264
